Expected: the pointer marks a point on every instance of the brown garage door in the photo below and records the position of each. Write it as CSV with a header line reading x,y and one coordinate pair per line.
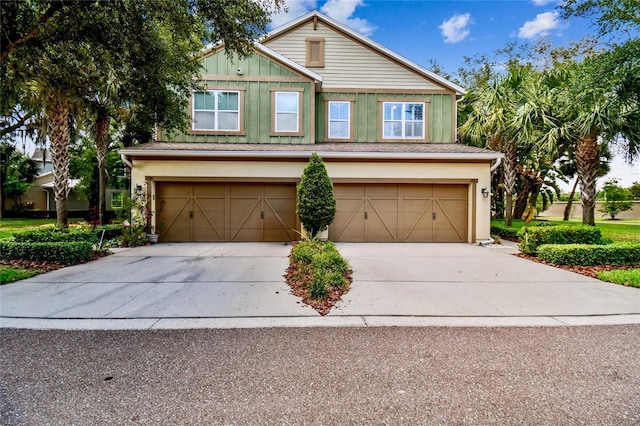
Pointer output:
x,y
226,211
400,212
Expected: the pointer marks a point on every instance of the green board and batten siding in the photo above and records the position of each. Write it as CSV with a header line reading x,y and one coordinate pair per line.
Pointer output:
x,y
367,120
257,98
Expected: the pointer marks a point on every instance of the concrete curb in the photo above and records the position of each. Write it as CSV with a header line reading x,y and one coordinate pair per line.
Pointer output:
x,y
332,321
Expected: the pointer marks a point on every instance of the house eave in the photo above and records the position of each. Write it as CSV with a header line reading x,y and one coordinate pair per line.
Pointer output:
x,y
317,78
329,155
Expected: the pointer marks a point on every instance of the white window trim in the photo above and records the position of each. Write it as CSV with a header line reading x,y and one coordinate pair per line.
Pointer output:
x,y
339,120
403,121
297,112
216,111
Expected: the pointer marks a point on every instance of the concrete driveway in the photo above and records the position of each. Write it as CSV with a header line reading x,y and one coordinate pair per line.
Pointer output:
x,y
192,285
463,280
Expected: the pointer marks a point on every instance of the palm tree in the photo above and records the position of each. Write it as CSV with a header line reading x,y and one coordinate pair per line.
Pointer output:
x,y
58,115
598,117
101,100
568,167
491,112
537,121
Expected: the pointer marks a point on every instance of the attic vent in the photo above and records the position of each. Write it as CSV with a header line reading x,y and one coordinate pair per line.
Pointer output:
x,y
315,52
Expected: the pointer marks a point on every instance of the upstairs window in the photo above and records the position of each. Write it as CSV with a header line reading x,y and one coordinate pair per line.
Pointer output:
x,y
315,52
216,110
287,112
339,120
403,120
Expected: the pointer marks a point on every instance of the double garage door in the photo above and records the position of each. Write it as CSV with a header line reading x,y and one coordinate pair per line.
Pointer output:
x,y
226,211
266,212
402,212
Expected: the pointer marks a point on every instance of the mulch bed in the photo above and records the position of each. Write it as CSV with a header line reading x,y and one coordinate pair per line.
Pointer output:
x,y
300,288
43,265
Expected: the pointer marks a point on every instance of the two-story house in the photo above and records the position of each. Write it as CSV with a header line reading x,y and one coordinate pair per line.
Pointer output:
x,y
385,127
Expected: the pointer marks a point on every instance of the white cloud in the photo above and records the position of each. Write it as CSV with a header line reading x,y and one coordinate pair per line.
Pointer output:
x,y
543,2
540,26
456,28
342,11
295,9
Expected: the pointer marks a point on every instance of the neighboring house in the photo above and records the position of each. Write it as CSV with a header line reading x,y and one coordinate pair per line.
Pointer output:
x,y
385,127
41,196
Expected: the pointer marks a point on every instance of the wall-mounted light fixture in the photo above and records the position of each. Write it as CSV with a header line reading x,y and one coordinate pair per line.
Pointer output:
x,y
485,192
138,189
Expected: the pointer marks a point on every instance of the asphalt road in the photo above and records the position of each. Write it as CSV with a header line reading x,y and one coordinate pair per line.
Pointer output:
x,y
563,375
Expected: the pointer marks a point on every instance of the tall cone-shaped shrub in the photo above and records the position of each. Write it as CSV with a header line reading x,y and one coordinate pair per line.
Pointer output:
x,y
316,203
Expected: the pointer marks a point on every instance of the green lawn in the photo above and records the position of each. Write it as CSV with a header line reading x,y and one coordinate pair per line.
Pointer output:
x,y
627,230
630,277
9,226
9,274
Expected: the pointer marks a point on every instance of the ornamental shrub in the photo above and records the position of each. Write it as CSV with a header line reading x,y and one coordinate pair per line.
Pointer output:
x,y
319,285
316,204
504,231
321,265
533,237
62,252
619,253
55,235
305,251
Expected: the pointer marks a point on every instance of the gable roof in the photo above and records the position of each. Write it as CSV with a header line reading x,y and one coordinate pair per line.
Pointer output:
x,y
273,55
377,47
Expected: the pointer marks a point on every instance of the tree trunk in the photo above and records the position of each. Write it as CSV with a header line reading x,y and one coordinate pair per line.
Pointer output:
x,y
521,199
1,197
58,129
509,167
532,198
102,145
567,209
588,161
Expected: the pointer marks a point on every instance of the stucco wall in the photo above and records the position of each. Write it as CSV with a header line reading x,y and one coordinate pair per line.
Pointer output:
x,y
338,170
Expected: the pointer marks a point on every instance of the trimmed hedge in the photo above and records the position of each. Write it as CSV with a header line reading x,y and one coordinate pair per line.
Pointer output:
x,y
503,231
620,253
64,252
533,237
52,235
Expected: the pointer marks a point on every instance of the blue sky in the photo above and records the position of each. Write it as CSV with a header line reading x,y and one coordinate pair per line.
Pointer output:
x,y
447,31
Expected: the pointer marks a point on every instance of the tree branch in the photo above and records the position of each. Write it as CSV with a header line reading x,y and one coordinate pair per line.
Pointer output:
x,y
15,126
13,44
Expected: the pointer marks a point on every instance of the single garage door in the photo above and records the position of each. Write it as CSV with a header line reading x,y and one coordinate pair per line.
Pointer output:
x,y
400,212
226,211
